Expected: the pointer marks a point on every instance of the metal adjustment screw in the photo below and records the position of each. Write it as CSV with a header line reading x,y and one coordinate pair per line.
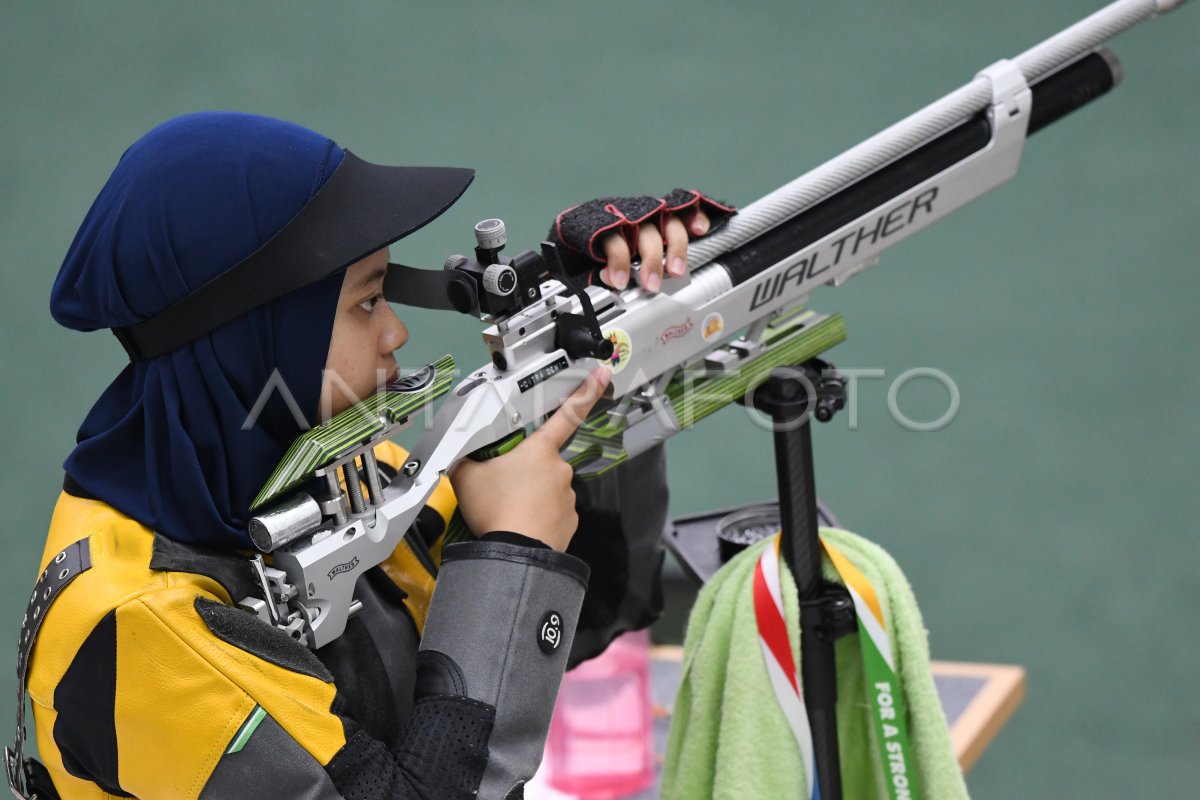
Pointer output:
x,y
500,279
516,417
411,468
454,262
490,234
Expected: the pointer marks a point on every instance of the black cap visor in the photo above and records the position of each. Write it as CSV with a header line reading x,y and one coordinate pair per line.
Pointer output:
x,y
361,208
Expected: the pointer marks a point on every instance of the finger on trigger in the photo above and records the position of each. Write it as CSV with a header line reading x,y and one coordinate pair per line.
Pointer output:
x,y
677,242
650,245
617,253
574,410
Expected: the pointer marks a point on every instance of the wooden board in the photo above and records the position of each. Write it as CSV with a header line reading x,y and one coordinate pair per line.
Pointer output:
x,y
996,691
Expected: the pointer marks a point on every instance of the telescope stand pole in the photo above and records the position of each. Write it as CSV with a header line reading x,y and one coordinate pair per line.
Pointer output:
x,y
790,396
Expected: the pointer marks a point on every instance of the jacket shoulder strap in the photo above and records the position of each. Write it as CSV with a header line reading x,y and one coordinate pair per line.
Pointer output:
x,y
62,569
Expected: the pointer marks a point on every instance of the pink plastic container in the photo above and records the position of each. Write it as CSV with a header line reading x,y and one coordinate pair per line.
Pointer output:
x,y
601,742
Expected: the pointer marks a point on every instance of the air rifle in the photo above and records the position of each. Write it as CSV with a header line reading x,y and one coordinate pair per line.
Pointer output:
x,y
675,356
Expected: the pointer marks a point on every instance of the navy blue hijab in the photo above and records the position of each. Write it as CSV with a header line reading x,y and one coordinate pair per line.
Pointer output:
x,y
172,442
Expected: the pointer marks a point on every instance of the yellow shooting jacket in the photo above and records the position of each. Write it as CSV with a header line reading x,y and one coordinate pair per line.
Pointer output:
x,y
133,692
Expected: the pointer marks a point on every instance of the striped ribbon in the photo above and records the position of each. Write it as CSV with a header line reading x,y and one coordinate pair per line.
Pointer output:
x,y
883,688
777,654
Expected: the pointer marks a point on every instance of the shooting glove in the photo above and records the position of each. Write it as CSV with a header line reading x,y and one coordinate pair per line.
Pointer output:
x,y
581,229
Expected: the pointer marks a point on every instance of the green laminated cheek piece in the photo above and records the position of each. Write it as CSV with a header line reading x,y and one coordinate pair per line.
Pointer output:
x,y
399,402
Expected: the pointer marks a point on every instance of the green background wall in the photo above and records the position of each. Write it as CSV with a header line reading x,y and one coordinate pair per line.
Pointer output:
x,y
1052,524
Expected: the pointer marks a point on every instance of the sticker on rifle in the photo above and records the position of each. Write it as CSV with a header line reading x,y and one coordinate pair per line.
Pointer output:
x,y
622,349
712,327
675,331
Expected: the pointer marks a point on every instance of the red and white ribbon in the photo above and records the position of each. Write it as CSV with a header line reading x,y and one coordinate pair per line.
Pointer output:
x,y
777,655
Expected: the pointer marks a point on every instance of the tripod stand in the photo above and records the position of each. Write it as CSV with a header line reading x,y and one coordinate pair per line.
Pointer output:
x,y
791,396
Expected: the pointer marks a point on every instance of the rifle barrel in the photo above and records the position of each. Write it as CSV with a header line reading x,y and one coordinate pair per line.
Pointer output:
x,y
1053,97
918,128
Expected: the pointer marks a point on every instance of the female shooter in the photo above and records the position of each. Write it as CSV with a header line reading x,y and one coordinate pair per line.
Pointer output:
x,y
145,678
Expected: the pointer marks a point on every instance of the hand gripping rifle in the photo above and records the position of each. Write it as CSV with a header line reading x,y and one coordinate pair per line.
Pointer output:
x,y
673,354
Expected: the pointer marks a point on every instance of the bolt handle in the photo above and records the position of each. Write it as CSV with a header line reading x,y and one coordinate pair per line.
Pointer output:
x,y
575,335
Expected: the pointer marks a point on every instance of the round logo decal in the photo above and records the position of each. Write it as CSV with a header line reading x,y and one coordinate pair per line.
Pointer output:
x,y
550,632
712,327
622,349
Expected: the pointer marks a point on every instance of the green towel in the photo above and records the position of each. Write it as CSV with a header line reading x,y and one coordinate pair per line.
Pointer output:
x,y
728,736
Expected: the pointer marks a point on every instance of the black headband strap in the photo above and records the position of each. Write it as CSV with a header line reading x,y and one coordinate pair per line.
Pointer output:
x,y
360,209
428,288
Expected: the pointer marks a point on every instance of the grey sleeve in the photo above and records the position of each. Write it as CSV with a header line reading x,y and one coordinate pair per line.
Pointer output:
x,y
499,629
621,518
